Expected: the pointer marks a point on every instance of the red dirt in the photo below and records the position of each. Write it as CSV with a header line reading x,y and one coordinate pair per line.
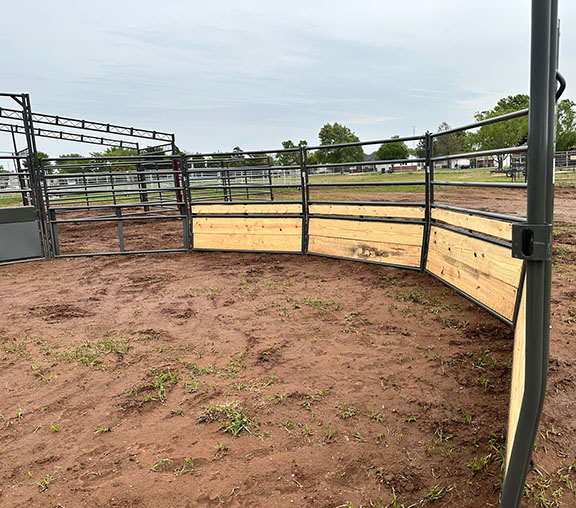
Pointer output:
x,y
412,379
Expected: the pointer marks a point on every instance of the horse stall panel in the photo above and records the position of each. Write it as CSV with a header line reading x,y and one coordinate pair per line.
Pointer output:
x,y
397,212
19,231
381,242
481,269
518,375
282,234
483,225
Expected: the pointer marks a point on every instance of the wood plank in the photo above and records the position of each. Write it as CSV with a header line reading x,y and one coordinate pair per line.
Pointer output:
x,y
247,226
493,260
407,255
493,293
518,376
401,212
387,232
492,227
248,209
280,243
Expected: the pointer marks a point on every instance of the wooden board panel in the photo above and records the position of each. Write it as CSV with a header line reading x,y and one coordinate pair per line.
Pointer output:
x,y
518,376
471,265
484,225
247,226
488,258
283,243
400,212
248,233
364,250
280,209
386,232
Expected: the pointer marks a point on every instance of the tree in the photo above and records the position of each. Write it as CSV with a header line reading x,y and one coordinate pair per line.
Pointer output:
x,y
75,160
503,134
336,134
566,125
453,143
420,150
290,158
111,153
392,151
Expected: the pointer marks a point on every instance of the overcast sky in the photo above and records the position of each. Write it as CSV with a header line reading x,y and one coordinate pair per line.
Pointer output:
x,y
223,73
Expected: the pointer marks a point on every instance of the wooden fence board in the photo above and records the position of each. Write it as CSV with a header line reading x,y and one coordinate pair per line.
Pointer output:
x,y
280,209
492,227
399,212
387,232
364,250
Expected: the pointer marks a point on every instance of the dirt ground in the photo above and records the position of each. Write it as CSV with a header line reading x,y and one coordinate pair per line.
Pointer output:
x,y
248,380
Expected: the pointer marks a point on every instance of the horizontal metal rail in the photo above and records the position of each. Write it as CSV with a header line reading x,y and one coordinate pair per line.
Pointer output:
x,y
365,143
141,157
116,219
102,174
493,215
369,203
13,157
481,123
62,209
93,254
364,218
364,184
503,185
482,153
365,163
250,186
111,191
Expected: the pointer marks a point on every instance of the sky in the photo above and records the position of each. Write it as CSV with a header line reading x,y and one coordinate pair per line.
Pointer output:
x,y
225,73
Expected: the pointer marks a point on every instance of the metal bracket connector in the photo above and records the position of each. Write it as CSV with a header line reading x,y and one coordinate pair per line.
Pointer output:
x,y
532,242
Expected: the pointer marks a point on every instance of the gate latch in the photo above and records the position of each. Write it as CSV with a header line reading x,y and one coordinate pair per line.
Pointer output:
x,y
532,241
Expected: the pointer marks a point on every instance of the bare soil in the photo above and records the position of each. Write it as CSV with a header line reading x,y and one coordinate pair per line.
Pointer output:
x,y
123,380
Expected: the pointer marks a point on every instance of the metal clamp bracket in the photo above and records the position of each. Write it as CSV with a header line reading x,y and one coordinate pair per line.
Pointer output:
x,y
532,242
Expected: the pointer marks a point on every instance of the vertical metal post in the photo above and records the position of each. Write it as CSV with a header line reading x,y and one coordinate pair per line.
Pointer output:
x,y
120,228
270,178
185,206
35,174
142,186
86,198
113,189
303,152
540,169
428,178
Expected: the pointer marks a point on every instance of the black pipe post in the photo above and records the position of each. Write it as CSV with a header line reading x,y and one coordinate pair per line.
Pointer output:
x,y
533,242
36,174
303,152
428,140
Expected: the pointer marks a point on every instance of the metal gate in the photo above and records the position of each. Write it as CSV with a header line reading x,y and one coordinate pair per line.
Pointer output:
x,y
113,196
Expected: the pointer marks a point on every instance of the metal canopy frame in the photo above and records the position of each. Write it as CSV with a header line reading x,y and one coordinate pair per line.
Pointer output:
x,y
84,126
